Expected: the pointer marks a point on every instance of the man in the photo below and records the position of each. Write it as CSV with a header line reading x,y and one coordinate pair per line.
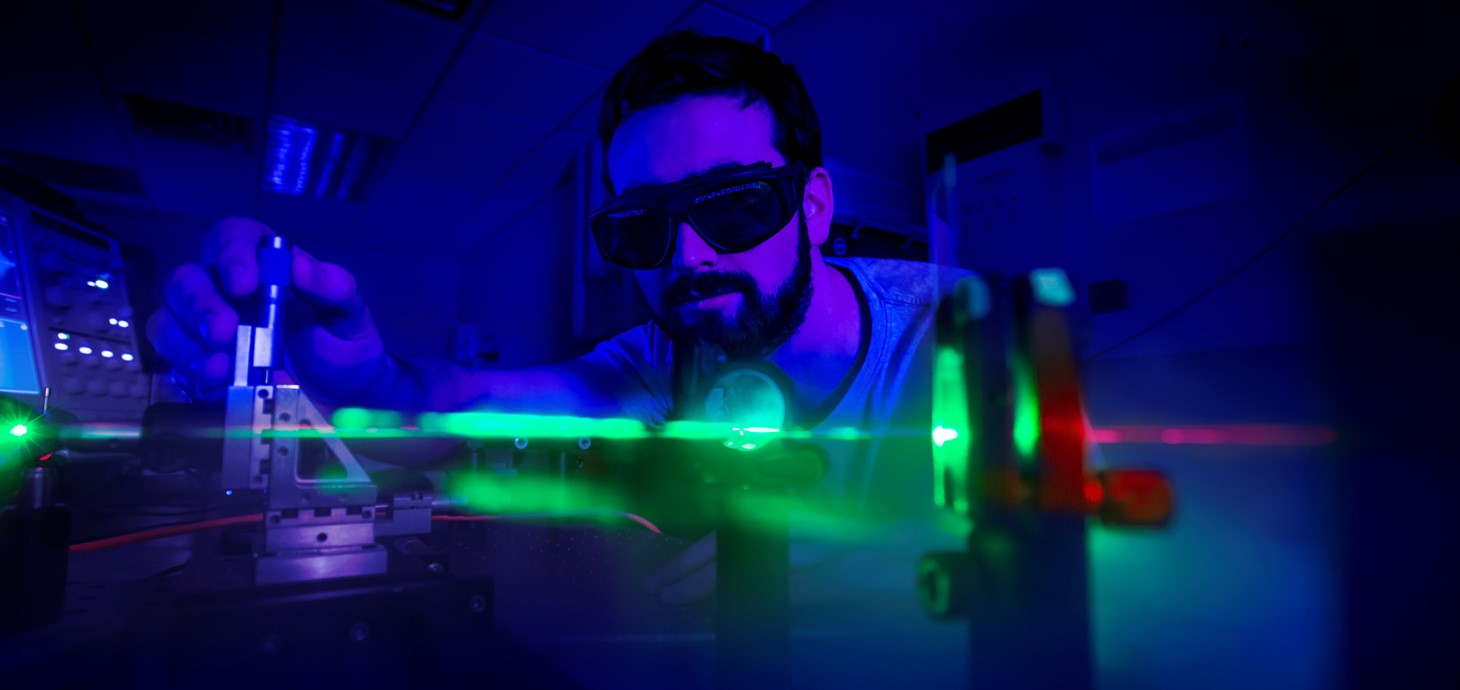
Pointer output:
x,y
721,205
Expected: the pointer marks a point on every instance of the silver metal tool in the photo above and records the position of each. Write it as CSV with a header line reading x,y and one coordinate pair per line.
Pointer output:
x,y
319,522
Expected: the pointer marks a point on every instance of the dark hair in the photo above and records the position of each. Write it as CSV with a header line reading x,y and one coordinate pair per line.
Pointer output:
x,y
687,63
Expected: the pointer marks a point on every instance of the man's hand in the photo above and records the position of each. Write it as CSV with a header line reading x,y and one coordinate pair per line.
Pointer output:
x,y
333,346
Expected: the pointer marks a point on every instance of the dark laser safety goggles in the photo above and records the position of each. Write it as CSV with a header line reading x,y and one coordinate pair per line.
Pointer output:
x,y
732,211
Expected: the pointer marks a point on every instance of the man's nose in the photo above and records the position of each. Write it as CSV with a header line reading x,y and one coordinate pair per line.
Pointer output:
x,y
691,250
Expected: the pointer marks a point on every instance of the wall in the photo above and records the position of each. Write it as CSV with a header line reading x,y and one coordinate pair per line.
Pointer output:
x,y
517,284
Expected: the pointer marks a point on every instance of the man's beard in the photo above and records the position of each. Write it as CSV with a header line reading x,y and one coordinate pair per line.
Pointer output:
x,y
761,324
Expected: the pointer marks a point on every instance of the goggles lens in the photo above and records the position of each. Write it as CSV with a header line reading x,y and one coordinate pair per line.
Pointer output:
x,y
732,213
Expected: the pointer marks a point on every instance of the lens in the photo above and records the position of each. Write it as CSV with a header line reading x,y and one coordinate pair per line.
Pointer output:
x,y
740,216
632,237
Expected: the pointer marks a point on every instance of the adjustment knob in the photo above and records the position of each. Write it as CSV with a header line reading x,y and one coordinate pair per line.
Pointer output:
x,y
119,389
96,387
73,385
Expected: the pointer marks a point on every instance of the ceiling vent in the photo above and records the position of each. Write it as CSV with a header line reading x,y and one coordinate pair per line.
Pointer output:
x,y
447,9
171,120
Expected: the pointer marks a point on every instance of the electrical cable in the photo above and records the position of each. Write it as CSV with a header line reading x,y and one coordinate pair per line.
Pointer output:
x,y
162,532
1271,245
538,516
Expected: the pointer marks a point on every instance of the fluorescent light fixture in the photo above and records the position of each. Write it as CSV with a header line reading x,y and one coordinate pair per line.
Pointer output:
x,y
305,159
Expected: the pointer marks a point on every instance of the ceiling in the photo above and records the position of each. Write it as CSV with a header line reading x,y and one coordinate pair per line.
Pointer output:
x,y
480,114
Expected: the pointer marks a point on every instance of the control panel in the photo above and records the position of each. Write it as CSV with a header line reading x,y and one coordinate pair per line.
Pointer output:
x,y
66,322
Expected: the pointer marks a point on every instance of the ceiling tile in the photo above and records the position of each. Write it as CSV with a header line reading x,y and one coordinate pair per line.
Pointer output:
x,y
494,140
767,12
516,79
342,100
538,174
197,180
239,23
54,104
383,41
185,69
713,21
605,34
424,190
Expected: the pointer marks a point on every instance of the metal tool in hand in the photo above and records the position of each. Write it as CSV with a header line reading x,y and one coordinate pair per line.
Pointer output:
x,y
319,521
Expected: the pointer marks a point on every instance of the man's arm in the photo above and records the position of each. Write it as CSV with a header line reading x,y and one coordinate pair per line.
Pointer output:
x,y
334,350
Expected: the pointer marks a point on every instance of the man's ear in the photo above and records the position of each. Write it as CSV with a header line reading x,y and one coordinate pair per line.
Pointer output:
x,y
818,206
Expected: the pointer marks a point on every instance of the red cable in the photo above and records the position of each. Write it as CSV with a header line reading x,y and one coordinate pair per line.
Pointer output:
x,y
463,518
174,530
160,532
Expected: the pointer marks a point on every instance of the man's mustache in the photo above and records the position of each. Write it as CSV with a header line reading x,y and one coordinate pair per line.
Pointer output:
x,y
697,286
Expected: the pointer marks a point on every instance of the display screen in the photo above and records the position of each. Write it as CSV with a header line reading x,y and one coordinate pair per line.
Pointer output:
x,y
18,373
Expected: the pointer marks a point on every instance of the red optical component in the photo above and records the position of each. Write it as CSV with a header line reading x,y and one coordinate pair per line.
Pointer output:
x,y
1094,493
1134,497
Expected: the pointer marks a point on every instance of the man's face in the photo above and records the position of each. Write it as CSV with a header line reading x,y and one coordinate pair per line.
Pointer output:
x,y
748,303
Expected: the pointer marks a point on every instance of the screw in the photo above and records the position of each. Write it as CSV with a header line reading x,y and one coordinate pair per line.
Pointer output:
x,y
585,443
270,644
436,568
520,442
477,604
359,632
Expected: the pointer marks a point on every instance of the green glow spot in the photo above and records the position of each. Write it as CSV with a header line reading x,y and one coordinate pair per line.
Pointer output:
x,y
1026,411
495,425
951,482
351,418
19,430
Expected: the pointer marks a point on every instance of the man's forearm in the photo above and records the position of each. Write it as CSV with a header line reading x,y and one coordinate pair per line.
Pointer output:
x,y
413,386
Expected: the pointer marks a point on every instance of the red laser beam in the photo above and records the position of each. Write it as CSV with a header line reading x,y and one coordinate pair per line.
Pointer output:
x,y
1218,435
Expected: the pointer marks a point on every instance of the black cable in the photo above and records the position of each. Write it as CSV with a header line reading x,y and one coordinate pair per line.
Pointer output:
x,y
1285,234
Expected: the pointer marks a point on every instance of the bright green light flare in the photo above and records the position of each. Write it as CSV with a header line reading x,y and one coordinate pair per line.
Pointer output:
x,y
497,425
493,495
19,430
1026,411
950,446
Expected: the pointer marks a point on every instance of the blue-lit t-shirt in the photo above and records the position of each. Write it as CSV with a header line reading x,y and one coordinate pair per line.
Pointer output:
x,y
887,471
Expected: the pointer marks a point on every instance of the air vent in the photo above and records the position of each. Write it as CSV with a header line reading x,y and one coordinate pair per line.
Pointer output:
x,y
1003,126
303,159
66,172
449,9
170,120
